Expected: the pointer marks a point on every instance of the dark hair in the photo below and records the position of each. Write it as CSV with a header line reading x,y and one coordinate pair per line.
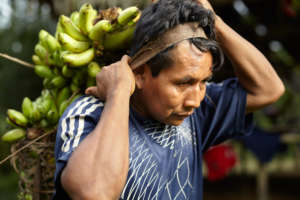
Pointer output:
x,y
166,14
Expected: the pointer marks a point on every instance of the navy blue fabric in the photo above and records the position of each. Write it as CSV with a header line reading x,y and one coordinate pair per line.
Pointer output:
x,y
263,144
165,161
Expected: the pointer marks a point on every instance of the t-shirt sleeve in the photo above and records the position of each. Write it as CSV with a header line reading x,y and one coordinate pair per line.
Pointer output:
x,y
222,115
79,119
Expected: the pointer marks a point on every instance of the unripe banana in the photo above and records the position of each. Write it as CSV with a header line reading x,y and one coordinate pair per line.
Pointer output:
x,y
52,115
71,29
75,18
99,29
43,71
128,15
27,108
11,123
63,106
44,123
46,94
43,53
63,95
90,81
80,59
36,115
74,87
119,40
46,82
57,82
14,135
48,41
79,78
93,69
45,106
59,29
17,117
71,44
87,15
36,60
67,72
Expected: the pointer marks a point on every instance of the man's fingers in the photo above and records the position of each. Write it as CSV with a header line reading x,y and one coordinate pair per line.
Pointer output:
x,y
91,91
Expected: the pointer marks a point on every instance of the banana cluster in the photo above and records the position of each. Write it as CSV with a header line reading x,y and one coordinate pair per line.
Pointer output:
x,y
68,62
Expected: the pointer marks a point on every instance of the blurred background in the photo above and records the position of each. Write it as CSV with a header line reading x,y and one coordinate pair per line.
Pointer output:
x,y
263,166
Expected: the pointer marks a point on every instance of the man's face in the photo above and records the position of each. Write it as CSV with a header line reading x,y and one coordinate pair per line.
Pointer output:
x,y
177,90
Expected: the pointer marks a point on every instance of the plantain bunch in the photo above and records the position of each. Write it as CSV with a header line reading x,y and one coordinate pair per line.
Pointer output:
x,y
68,62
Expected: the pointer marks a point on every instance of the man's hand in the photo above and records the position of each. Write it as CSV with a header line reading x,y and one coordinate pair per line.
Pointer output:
x,y
205,4
113,78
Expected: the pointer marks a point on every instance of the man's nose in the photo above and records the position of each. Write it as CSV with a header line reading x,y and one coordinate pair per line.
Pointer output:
x,y
194,97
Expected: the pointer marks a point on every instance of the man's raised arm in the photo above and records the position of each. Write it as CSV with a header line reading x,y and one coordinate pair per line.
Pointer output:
x,y
254,71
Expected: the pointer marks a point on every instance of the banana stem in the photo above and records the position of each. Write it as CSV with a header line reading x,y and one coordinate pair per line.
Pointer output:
x,y
26,64
27,145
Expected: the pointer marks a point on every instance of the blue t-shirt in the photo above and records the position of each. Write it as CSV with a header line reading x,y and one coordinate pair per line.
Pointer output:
x,y
165,161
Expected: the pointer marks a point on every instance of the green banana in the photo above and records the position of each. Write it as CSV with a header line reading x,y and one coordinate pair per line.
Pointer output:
x,y
46,82
36,115
58,82
43,71
12,124
75,18
45,105
128,15
17,117
79,78
90,81
27,107
59,29
67,72
63,106
52,115
93,69
44,123
43,53
119,40
36,60
48,41
63,94
87,15
70,28
99,29
80,59
74,87
14,135
71,44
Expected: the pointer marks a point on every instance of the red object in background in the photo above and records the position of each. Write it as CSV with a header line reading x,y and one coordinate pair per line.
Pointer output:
x,y
288,9
219,160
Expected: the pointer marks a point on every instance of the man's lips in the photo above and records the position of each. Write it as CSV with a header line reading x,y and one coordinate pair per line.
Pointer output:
x,y
184,114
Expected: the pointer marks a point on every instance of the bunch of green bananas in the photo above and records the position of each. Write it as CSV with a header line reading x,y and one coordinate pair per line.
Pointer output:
x,y
68,63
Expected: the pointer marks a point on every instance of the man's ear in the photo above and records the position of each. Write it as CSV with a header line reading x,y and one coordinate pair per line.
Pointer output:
x,y
140,75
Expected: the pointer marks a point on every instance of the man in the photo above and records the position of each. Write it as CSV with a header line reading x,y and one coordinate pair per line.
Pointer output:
x,y
141,132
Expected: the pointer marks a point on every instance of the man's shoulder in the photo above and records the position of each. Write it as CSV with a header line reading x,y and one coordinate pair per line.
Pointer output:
x,y
83,105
